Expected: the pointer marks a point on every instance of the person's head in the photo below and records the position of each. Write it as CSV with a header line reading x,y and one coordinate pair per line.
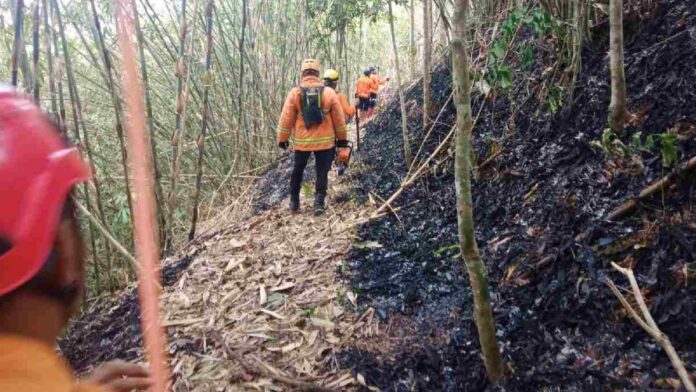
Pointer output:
x,y
41,250
310,67
331,78
368,71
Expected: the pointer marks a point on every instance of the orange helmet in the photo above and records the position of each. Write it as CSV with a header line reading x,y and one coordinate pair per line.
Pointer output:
x,y
37,171
310,64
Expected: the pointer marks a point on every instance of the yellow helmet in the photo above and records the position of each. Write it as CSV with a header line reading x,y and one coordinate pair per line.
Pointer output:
x,y
310,64
331,75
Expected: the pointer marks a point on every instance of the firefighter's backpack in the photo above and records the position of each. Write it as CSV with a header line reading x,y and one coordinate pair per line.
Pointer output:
x,y
310,103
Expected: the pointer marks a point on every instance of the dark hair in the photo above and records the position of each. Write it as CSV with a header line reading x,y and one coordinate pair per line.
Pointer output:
x,y
310,72
5,245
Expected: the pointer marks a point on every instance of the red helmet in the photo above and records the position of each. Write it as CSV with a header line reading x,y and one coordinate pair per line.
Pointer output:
x,y
37,171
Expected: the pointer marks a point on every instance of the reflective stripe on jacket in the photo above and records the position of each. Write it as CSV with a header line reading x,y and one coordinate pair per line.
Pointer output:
x,y
291,125
363,87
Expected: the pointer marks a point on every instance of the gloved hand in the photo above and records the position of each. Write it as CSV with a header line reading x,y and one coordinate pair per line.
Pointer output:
x,y
341,143
283,145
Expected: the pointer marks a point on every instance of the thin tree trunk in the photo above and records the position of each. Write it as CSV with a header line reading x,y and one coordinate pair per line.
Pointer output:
x,y
159,194
79,121
578,36
617,106
483,313
240,104
180,102
404,124
49,58
183,74
56,52
427,60
206,114
116,102
17,41
36,23
413,51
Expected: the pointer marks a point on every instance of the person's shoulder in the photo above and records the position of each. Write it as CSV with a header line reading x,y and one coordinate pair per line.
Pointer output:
x,y
330,93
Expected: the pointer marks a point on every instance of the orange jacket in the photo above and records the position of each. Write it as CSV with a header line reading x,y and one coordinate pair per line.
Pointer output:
x,y
31,366
376,82
348,109
317,137
363,87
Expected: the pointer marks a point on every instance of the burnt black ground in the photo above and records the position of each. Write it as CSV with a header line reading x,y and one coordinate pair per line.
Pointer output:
x,y
559,325
110,329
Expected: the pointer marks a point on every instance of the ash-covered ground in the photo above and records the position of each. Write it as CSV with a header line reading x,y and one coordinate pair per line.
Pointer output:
x,y
559,326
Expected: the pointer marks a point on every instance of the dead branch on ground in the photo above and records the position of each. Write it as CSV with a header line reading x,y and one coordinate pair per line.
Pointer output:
x,y
648,324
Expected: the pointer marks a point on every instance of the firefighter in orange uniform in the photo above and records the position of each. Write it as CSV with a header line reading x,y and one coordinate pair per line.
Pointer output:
x,y
376,83
331,80
313,119
363,88
42,261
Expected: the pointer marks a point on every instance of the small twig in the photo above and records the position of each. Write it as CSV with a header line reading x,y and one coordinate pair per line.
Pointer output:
x,y
649,325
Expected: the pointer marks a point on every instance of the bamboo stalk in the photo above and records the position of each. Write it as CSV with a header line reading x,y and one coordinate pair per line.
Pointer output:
x,y
427,60
49,58
106,234
205,115
17,41
183,72
36,24
404,125
150,124
116,102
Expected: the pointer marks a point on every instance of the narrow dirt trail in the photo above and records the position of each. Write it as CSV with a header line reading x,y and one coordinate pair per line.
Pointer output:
x,y
264,306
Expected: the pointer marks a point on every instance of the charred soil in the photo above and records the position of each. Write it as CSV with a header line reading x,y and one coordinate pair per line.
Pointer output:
x,y
559,326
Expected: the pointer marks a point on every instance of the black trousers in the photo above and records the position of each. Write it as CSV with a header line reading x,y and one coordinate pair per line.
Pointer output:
x,y
373,100
323,158
364,104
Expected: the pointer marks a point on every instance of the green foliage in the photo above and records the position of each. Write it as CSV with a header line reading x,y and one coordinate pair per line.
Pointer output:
x,y
554,99
541,22
668,149
500,74
611,145
527,56
445,249
307,189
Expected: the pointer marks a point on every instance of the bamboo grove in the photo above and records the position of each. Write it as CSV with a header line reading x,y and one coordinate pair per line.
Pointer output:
x,y
214,74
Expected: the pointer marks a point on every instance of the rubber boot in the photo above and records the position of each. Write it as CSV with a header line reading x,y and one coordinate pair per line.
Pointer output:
x,y
294,203
319,207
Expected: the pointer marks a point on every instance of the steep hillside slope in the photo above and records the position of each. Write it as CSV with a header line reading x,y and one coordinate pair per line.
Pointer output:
x,y
559,325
